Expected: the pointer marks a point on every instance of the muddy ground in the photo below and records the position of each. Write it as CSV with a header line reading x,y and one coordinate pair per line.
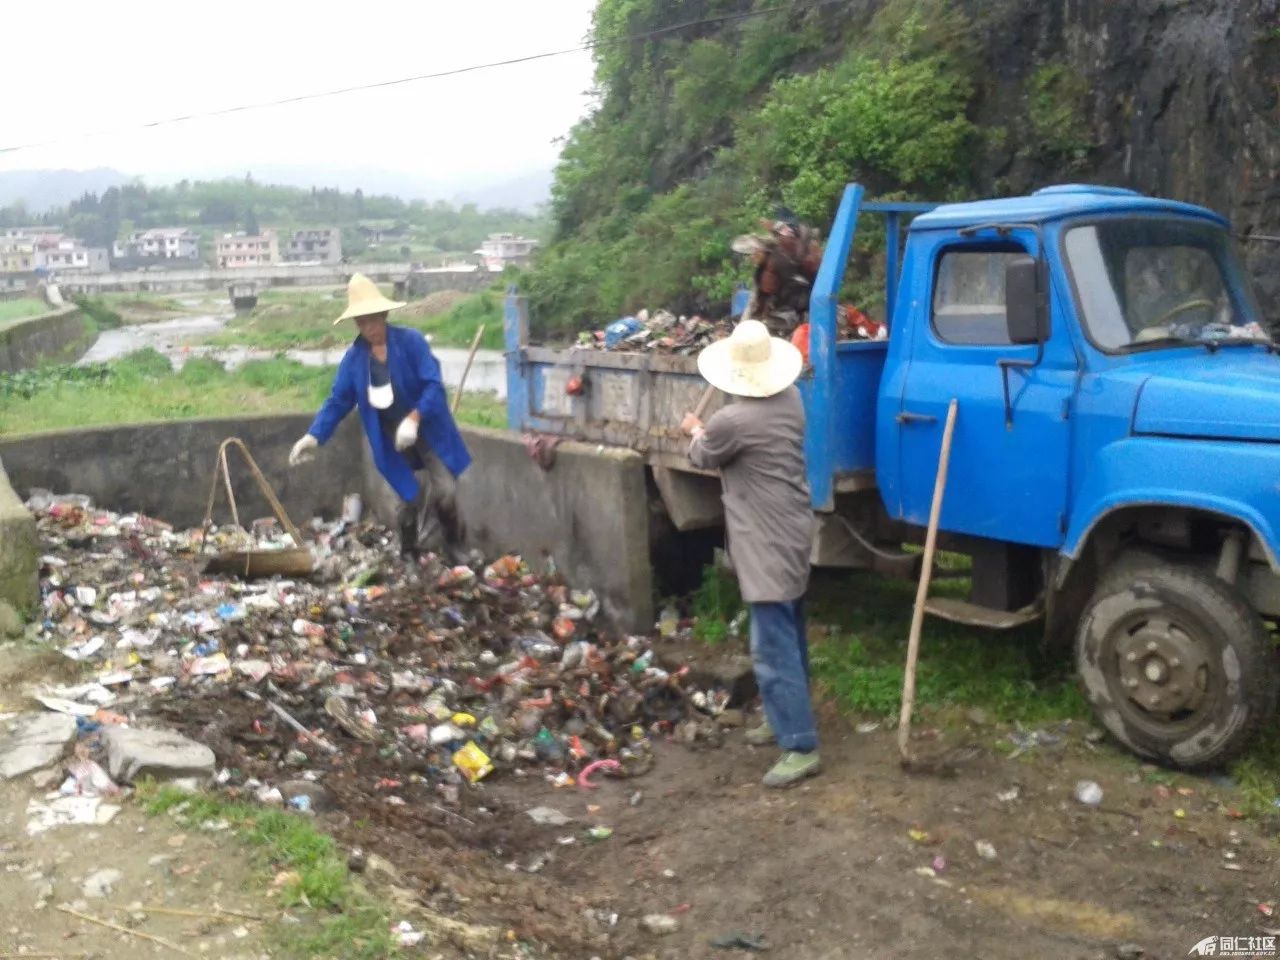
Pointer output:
x,y
832,869
838,867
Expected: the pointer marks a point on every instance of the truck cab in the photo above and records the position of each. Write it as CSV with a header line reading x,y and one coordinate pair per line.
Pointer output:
x,y
1115,468
1116,446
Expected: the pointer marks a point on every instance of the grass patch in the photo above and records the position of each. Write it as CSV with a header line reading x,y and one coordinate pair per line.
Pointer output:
x,y
290,319
347,922
141,303
482,410
143,386
716,603
21,309
98,314
304,319
1258,774
861,662
457,326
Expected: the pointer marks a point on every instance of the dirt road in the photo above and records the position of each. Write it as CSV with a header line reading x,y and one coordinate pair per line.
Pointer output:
x,y
118,872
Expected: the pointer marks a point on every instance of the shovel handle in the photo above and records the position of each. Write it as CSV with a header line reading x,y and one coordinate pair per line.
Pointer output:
x,y
704,401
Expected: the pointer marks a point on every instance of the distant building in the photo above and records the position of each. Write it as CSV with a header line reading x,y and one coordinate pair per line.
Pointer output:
x,y
322,244
36,233
243,250
17,254
159,243
503,249
71,256
374,235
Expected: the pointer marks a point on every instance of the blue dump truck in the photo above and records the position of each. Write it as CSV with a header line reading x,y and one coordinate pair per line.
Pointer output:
x,y
1115,471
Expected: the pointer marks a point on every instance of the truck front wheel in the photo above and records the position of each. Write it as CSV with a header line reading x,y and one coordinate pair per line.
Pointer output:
x,y
1176,665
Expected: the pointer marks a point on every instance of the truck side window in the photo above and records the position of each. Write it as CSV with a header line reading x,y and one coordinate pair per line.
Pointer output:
x,y
968,297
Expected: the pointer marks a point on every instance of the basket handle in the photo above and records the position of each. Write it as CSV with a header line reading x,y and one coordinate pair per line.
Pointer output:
x,y
222,467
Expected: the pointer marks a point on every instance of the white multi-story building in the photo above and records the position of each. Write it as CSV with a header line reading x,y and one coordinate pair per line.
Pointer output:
x,y
161,243
502,249
71,256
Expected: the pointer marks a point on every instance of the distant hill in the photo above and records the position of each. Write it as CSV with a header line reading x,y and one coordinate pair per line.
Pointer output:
x,y
525,191
40,190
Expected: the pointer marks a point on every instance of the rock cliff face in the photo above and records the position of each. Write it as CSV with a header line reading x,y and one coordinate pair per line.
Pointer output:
x,y
1179,98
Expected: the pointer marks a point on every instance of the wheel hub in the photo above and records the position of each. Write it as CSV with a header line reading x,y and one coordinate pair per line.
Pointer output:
x,y
1163,669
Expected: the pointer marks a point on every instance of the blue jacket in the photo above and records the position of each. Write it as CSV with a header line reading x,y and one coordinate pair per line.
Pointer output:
x,y
415,375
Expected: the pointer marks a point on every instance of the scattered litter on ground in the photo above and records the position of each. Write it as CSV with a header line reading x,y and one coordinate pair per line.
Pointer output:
x,y
1089,793
549,816
660,923
59,811
741,941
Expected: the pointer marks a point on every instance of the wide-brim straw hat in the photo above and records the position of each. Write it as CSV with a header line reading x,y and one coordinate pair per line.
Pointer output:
x,y
750,363
364,298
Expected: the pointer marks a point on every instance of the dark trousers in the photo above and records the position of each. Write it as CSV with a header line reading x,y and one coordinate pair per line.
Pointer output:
x,y
437,502
780,655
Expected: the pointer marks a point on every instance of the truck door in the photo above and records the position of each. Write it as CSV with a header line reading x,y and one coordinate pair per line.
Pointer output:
x,y
1008,478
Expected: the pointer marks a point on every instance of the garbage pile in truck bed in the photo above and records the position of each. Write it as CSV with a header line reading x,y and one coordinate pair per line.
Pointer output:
x,y
417,680
785,258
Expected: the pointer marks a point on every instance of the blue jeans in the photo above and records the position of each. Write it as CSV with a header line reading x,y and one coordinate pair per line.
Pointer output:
x,y
780,655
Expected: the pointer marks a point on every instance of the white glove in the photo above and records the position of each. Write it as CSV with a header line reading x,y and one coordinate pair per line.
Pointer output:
x,y
303,450
406,433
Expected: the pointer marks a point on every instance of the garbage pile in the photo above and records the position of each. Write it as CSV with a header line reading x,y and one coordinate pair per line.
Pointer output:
x,y
418,679
660,332
785,257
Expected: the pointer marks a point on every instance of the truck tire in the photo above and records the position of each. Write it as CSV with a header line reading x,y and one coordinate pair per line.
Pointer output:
x,y
1175,664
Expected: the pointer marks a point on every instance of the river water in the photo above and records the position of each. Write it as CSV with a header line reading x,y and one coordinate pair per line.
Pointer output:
x,y
176,338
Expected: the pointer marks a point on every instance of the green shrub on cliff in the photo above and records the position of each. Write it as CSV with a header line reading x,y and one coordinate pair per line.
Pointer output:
x,y
698,136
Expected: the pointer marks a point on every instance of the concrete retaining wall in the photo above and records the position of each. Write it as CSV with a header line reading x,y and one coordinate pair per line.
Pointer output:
x,y
589,512
56,337
19,551
164,469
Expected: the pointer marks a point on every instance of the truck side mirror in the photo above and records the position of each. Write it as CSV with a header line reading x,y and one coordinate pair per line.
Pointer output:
x,y
1022,300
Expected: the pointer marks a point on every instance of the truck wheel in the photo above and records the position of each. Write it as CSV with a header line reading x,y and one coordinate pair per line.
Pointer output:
x,y
1176,665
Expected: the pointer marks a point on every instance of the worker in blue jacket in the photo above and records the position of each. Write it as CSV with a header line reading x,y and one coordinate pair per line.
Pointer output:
x,y
391,376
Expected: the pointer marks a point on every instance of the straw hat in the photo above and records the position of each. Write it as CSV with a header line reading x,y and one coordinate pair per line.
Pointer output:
x,y
750,363
364,298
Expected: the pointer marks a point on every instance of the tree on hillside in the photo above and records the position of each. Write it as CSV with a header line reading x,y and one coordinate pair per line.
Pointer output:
x,y
218,211
251,223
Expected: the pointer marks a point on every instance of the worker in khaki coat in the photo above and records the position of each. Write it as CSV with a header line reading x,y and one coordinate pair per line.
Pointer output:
x,y
757,444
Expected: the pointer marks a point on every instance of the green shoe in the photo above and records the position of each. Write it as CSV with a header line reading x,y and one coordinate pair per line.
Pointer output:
x,y
760,736
792,768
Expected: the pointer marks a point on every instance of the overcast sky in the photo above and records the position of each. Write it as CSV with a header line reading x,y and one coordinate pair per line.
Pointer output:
x,y
86,66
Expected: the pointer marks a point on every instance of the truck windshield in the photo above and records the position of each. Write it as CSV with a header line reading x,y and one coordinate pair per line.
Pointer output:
x,y
1147,284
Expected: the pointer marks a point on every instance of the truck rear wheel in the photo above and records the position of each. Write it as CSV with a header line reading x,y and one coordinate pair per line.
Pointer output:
x,y
1176,665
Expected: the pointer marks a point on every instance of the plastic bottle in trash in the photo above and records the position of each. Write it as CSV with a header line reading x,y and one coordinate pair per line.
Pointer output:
x,y
619,330
352,508
668,622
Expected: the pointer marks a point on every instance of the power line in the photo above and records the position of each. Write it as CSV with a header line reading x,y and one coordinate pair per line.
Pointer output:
x,y
341,91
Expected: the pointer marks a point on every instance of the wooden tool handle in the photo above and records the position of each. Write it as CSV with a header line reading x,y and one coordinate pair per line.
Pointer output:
x,y
922,589
704,401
